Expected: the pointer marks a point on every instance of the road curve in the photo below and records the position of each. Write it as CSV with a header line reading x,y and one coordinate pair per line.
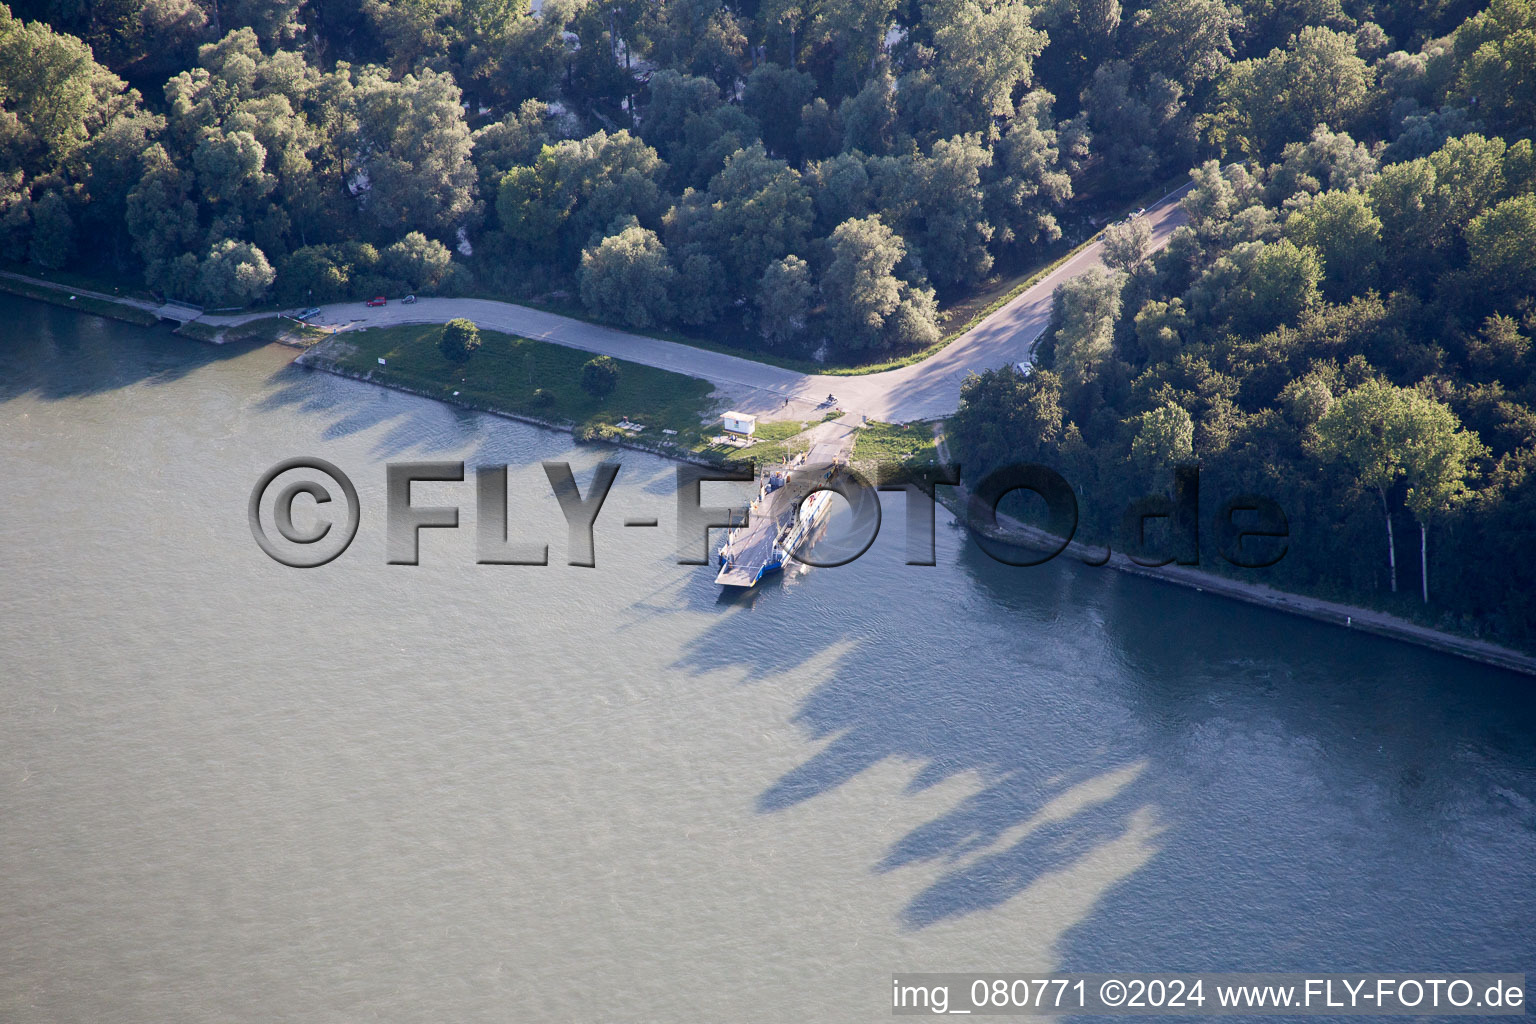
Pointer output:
x,y
926,390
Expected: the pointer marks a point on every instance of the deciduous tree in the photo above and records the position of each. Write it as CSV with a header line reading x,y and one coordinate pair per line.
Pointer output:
x,y
53,231
784,299
411,153
1269,101
859,287
1438,457
1127,244
627,278
773,96
418,262
1502,245
599,376
1186,41
1362,428
578,187
1346,234
460,339
1164,437
1083,313
233,274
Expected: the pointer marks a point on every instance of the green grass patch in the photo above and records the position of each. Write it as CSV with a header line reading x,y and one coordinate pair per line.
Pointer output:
x,y
741,348
765,453
782,430
775,443
80,304
506,372
895,442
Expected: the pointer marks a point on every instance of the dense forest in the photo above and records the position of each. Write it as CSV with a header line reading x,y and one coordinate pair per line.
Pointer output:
x,y
1345,323
828,174
807,174
1344,326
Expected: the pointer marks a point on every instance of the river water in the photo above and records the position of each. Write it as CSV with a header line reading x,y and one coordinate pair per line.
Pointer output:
x,y
236,791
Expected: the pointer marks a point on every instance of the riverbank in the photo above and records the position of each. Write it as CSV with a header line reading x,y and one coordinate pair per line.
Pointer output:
x,y
1012,533
114,307
1343,615
355,355
279,330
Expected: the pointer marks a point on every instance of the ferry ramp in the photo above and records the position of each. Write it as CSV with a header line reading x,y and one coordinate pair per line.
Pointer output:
x,y
750,549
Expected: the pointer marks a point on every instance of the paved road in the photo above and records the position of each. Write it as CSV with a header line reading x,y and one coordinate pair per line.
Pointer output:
x,y
925,390
931,389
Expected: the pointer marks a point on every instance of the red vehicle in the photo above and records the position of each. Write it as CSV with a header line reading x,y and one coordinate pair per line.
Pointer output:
x,y
377,300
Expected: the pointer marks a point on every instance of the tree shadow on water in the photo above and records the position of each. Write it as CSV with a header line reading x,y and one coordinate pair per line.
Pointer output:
x,y
1329,797
349,407
1055,785
1255,788
57,354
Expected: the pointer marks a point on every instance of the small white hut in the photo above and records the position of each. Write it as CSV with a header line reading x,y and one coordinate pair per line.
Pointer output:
x,y
740,423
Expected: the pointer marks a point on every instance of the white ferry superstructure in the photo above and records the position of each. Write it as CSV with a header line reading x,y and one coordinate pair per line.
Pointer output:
x,y
780,519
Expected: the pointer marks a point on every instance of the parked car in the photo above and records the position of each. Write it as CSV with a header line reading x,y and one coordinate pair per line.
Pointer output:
x,y
408,299
1025,369
305,314
377,300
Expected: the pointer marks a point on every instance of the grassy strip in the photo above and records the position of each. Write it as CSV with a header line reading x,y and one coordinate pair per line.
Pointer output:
x,y
1000,294
576,311
1018,286
125,287
895,442
996,292
528,378
80,303
1006,293
806,366
763,453
1155,192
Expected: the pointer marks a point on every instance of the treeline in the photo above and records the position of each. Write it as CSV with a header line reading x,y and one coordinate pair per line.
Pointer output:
x,y
651,159
819,176
1344,326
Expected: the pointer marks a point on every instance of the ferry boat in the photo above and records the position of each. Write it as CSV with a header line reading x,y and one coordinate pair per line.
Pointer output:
x,y
782,516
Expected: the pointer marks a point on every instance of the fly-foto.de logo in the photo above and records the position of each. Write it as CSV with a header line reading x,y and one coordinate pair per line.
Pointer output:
x,y
1250,531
